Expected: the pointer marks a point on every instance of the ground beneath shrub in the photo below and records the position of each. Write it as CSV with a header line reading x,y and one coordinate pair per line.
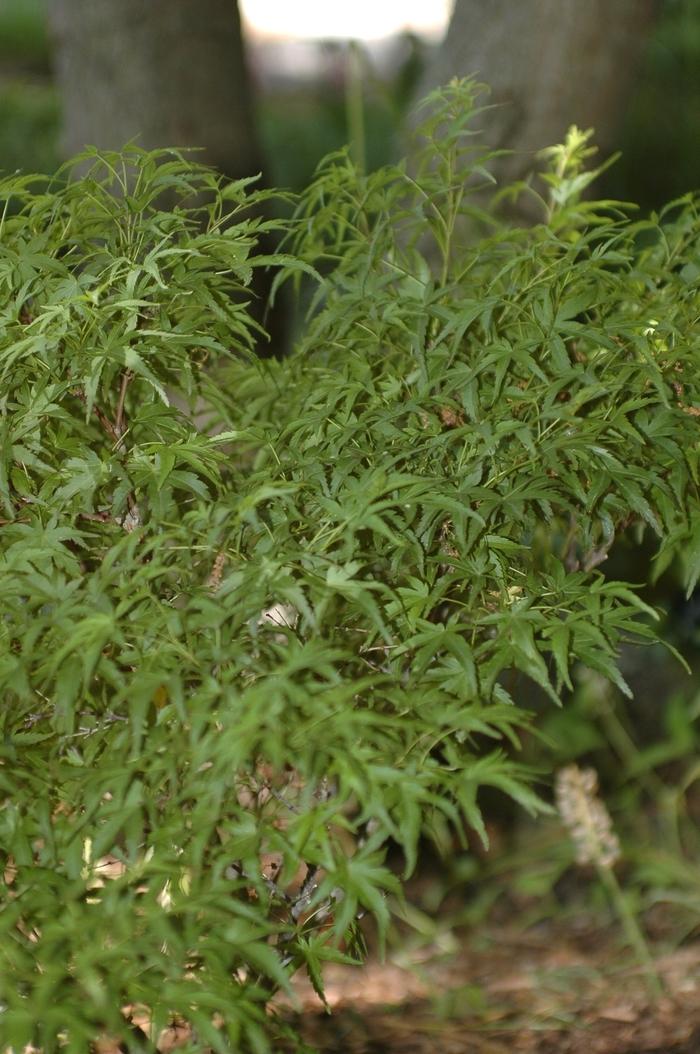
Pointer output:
x,y
548,992
554,989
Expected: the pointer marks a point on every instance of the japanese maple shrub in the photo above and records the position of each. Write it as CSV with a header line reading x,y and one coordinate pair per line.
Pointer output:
x,y
241,654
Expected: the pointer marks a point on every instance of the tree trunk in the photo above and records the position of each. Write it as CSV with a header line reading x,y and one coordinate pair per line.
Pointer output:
x,y
167,73
549,64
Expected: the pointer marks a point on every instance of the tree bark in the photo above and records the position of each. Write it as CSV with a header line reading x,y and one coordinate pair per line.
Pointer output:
x,y
166,73
549,64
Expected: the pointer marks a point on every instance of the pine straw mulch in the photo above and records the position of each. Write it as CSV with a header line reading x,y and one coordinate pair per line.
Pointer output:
x,y
548,992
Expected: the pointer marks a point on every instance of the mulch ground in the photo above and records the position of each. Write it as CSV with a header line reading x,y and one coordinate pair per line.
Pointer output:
x,y
547,993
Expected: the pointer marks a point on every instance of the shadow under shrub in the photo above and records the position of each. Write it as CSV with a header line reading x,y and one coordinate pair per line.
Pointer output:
x,y
237,662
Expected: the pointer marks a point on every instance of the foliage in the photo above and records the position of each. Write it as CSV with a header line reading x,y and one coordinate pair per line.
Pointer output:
x,y
29,110
24,36
659,159
240,659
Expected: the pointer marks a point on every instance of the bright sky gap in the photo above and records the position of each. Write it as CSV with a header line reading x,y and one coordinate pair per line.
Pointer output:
x,y
359,20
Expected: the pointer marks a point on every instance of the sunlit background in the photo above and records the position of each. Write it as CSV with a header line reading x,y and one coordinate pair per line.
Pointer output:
x,y
360,19
298,58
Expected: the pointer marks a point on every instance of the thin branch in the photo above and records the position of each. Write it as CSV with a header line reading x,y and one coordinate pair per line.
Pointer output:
x,y
100,517
268,882
119,427
107,424
101,417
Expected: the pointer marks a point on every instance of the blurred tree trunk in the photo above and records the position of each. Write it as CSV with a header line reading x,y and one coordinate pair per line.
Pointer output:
x,y
549,64
165,73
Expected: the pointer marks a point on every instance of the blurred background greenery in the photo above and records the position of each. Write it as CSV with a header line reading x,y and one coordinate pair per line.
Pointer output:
x,y
298,124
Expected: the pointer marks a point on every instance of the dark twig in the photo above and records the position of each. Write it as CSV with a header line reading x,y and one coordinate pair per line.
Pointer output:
x,y
100,517
305,895
281,799
101,417
270,883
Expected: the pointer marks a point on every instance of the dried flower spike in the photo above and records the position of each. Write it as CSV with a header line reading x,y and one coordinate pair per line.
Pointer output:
x,y
596,843
214,580
586,817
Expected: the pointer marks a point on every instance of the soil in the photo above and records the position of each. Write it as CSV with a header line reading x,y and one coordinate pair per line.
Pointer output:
x,y
548,992
553,989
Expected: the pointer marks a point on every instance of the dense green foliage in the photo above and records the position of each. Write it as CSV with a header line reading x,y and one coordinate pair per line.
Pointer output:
x,y
237,660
